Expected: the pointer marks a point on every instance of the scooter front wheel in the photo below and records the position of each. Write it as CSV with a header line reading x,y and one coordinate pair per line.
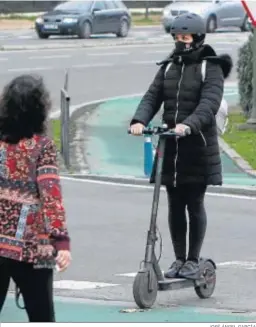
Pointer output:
x,y
145,287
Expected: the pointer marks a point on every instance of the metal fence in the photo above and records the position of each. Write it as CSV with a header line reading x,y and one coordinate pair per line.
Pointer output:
x,y
65,123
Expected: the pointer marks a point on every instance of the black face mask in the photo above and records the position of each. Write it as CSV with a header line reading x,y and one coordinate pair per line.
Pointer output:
x,y
181,47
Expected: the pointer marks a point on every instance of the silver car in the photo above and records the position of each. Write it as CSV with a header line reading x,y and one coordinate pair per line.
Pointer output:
x,y
216,13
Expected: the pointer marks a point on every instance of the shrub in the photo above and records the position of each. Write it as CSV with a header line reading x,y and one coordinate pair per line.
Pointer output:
x,y
245,75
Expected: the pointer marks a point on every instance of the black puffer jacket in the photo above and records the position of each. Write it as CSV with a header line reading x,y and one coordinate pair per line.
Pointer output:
x,y
178,84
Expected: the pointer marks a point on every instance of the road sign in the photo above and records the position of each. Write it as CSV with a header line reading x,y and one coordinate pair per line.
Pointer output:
x,y
250,8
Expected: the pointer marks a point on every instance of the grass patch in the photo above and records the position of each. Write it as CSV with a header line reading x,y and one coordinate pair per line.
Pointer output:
x,y
243,142
140,20
56,131
31,18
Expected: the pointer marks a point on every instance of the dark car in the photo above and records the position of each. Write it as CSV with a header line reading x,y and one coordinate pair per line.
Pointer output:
x,y
83,18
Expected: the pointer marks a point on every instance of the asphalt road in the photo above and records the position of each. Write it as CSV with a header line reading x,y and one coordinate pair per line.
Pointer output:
x,y
108,71
24,34
29,36
108,225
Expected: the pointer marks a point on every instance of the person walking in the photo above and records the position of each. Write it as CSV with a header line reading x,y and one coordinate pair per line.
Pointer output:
x,y
33,232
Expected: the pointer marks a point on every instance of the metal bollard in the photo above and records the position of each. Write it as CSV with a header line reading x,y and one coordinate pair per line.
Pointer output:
x,y
148,155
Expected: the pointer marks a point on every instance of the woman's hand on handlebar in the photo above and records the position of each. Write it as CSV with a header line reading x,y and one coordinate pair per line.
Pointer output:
x,y
181,129
137,129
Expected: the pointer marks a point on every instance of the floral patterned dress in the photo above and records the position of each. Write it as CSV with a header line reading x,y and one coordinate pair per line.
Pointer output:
x,y
32,216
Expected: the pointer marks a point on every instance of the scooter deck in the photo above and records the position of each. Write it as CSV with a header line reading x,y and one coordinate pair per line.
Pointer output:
x,y
179,283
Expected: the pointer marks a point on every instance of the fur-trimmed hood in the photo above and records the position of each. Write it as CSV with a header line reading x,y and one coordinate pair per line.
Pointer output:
x,y
206,52
224,60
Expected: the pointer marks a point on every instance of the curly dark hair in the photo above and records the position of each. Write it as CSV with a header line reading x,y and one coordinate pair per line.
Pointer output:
x,y
24,106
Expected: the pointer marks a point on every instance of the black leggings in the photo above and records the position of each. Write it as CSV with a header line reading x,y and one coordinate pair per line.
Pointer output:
x,y
36,287
192,197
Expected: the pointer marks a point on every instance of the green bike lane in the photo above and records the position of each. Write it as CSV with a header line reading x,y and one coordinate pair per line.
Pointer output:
x,y
111,151
80,310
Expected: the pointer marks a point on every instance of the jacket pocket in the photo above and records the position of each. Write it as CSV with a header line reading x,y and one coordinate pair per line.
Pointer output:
x,y
203,138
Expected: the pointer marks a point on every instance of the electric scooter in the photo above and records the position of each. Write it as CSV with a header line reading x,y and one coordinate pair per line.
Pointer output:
x,y
150,278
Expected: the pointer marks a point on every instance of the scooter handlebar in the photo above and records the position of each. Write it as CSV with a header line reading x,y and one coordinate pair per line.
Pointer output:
x,y
159,130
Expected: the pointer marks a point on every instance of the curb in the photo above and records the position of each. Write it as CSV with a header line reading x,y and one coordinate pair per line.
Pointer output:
x,y
83,170
135,181
82,106
237,159
78,115
78,109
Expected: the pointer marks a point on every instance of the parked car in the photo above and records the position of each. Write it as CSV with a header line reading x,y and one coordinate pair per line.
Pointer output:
x,y
83,18
216,13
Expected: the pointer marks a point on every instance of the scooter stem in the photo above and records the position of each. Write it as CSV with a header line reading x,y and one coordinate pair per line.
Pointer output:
x,y
151,239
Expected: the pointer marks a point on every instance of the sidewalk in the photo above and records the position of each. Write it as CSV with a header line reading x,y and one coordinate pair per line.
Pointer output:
x,y
111,151
72,310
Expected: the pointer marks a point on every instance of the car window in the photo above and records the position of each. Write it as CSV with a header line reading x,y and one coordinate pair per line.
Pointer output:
x,y
100,5
119,4
110,4
74,5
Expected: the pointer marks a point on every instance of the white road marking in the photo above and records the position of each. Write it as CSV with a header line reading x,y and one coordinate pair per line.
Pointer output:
x,y
29,69
224,195
123,46
108,54
222,49
85,285
247,265
80,285
228,94
25,37
143,62
158,51
235,42
49,57
130,275
239,264
94,65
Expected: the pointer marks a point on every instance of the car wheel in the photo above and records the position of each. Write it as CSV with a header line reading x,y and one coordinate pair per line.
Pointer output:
x,y
85,31
211,24
123,29
42,35
246,25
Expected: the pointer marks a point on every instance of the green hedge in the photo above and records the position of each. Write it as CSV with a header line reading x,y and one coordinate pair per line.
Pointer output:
x,y
244,70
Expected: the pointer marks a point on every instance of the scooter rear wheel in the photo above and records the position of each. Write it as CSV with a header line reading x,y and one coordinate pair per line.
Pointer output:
x,y
206,290
145,287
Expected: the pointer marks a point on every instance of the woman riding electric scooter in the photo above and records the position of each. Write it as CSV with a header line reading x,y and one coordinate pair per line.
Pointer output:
x,y
193,162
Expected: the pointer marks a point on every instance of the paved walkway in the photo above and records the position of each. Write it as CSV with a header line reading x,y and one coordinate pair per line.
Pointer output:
x,y
110,151
71,310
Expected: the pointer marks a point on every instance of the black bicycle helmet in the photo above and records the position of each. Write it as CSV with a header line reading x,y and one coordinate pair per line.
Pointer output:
x,y
190,23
